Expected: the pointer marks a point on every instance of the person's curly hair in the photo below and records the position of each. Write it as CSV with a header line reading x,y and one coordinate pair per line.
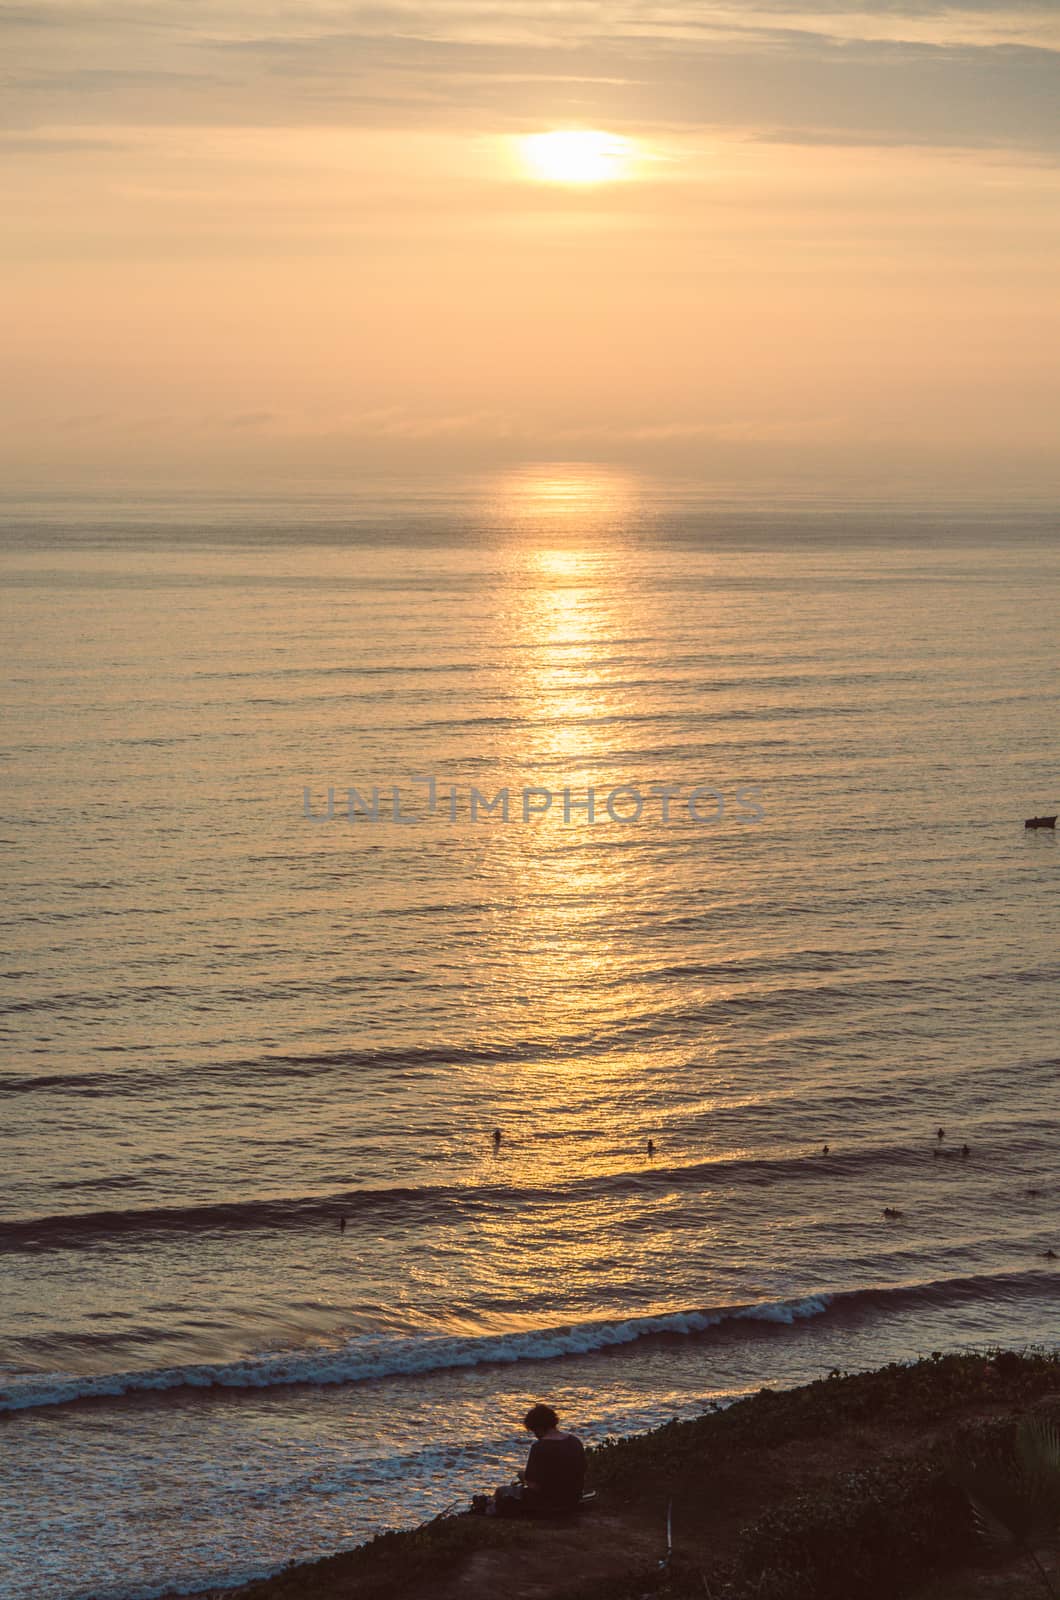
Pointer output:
x,y
539,1419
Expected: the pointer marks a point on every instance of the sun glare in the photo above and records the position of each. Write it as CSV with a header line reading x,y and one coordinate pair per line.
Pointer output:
x,y
577,156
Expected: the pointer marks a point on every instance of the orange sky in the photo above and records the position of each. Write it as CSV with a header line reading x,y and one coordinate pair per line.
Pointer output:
x,y
299,241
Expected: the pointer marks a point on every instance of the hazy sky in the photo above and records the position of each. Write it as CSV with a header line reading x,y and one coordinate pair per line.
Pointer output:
x,y
299,238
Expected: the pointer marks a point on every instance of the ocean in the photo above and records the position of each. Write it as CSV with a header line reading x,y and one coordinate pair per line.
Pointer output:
x,y
270,1283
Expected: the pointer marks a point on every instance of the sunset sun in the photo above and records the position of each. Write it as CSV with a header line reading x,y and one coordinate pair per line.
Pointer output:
x,y
577,156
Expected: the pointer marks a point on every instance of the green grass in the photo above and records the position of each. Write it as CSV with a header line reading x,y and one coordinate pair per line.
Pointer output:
x,y
844,1489
389,1567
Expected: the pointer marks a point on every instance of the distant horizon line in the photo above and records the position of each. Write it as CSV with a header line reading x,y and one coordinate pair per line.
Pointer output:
x,y
554,487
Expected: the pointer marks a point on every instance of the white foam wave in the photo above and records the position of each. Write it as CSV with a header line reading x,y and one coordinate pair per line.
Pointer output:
x,y
384,1356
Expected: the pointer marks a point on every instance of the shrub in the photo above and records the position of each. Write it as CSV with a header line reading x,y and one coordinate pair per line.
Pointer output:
x,y
875,1532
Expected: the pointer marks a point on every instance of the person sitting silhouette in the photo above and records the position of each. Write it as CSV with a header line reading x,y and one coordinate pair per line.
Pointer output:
x,y
553,1479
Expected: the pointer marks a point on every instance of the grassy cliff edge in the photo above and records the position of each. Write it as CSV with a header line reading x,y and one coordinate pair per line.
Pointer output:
x,y
844,1489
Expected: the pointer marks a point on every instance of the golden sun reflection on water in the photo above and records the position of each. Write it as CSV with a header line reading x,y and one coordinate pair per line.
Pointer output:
x,y
566,613
566,499
568,605
576,626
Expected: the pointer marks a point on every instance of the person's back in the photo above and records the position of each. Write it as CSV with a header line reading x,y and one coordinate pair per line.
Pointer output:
x,y
555,1470
554,1476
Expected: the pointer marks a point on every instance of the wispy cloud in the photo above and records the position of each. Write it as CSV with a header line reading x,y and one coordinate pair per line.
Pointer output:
x,y
771,68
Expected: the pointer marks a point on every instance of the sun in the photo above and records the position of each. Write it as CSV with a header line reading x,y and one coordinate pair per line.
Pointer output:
x,y
577,156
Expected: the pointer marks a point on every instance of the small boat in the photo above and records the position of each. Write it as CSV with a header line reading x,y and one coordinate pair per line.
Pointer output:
x,y
1040,822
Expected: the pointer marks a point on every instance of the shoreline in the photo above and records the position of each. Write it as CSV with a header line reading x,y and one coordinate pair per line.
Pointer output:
x,y
784,1494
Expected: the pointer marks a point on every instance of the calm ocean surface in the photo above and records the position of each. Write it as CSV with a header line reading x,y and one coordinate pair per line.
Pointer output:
x,y
228,1025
